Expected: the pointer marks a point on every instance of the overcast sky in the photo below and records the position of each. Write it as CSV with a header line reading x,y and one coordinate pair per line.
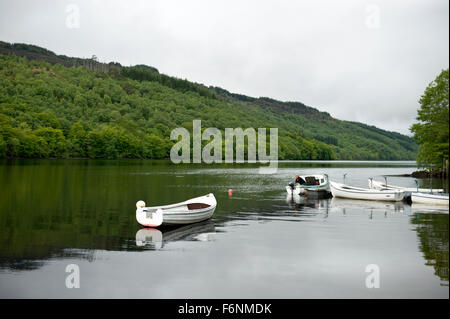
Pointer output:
x,y
366,61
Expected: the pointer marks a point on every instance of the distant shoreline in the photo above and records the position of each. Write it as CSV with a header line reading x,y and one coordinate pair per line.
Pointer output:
x,y
430,173
223,161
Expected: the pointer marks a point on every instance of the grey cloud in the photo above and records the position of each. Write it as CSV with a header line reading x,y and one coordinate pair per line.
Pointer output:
x,y
321,53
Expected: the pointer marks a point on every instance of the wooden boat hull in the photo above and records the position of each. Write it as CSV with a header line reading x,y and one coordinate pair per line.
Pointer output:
x,y
191,211
345,191
380,185
429,199
181,218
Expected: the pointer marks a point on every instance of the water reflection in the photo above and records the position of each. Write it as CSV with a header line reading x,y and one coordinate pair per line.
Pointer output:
x,y
341,203
150,237
155,239
304,206
432,225
301,203
53,210
432,230
304,203
424,208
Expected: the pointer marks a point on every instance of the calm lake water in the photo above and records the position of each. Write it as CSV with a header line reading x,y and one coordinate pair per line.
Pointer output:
x,y
260,242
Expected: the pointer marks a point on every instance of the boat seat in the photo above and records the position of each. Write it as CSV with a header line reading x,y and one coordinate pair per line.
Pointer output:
x,y
194,206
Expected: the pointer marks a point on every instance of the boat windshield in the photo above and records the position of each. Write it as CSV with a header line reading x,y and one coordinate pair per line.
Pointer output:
x,y
311,180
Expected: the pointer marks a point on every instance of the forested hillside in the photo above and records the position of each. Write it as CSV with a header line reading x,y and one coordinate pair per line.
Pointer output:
x,y
57,106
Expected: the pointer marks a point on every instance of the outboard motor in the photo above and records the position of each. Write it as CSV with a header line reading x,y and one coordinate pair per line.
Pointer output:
x,y
291,184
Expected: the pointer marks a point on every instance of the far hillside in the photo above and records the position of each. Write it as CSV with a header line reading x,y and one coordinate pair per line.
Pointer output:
x,y
54,106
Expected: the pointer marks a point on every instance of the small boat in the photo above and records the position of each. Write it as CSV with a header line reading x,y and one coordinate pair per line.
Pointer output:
x,y
430,199
310,183
380,185
345,191
191,211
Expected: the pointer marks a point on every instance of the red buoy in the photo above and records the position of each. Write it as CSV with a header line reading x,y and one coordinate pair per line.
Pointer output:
x,y
230,192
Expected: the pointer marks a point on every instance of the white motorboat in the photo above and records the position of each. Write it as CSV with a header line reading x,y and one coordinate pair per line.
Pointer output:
x,y
345,191
309,183
380,185
187,212
429,199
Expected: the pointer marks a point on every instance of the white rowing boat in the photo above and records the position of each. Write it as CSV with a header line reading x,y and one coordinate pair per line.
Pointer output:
x,y
187,212
429,199
309,183
345,191
380,185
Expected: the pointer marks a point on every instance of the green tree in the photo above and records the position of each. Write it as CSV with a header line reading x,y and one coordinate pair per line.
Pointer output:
x,y
2,147
80,109
55,139
48,120
432,132
77,140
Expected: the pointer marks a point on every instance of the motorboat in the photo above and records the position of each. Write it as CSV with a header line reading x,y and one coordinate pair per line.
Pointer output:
x,y
311,183
191,211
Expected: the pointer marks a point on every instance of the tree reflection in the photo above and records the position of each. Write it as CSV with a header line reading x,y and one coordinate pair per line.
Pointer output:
x,y
432,230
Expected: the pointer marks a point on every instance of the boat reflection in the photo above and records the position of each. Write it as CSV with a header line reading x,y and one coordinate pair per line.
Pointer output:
x,y
432,232
150,237
299,203
426,208
342,204
155,239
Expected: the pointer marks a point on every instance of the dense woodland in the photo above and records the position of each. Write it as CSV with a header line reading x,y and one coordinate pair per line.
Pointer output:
x,y
53,106
432,129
